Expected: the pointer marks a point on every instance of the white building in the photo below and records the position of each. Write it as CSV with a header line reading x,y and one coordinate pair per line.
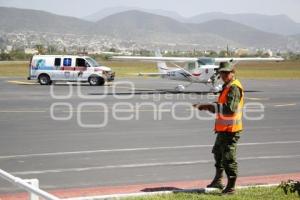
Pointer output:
x,y
30,51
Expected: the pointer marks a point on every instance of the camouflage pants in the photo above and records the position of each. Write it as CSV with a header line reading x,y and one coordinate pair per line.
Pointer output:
x,y
224,151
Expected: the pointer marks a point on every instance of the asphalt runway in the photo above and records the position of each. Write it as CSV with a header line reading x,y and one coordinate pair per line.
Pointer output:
x,y
78,141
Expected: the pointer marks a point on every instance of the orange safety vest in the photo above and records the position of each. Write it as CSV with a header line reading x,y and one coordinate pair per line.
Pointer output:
x,y
230,123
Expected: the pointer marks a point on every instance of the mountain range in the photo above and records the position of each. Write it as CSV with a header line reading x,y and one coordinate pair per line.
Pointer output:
x,y
17,20
114,10
145,27
278,24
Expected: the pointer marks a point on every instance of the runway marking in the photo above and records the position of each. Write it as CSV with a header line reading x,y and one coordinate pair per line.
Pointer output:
x,y
285,105
23,111
22,83
139,149
257,99
103,111
87,111
159,164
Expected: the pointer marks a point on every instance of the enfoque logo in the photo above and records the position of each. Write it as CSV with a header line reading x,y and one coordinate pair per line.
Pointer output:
x,y
116,107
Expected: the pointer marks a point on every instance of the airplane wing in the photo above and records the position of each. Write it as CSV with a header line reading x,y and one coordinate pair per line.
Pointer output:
x,y
218,60
155,59
192,59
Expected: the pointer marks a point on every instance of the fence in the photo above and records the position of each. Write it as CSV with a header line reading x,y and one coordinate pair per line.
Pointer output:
x,y
31,186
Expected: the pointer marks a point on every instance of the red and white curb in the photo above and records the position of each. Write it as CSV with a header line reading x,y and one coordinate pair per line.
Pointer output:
x,y
116,192
144,194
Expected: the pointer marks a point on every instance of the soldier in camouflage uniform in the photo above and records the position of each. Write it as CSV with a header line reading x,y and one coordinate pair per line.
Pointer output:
x,y
228,128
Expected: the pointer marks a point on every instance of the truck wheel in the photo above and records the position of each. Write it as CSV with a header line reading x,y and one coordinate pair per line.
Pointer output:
x,y
96,80
101,81
44,79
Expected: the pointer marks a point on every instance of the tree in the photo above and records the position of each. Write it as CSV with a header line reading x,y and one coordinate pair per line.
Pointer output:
x,y
5,56
51,49
213,54
112,50
40,48
223,53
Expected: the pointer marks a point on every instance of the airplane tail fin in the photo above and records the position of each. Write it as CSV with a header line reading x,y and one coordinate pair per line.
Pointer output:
x,y
161,66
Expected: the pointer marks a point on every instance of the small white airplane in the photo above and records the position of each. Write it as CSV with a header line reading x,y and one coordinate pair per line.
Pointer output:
x,y
194,70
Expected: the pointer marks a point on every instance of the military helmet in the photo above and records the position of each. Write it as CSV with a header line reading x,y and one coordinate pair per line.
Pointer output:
x,y
226,67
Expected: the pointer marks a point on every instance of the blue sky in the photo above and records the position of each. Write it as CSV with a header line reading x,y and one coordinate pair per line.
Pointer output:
x,y
81,8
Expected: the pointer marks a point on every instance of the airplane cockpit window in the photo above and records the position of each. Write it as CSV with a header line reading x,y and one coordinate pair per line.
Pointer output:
x,y
191,66
206,61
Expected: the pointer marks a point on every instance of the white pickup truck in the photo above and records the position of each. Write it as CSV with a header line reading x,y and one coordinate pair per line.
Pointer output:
x,y
49,68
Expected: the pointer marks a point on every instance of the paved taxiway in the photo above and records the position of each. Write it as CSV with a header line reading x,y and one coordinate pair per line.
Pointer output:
x,y
61,154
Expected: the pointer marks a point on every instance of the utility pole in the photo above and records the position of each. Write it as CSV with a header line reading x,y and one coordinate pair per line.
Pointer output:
x,y
228,52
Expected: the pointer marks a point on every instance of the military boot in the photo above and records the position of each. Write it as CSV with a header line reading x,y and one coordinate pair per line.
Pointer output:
x,y
230,188
217,182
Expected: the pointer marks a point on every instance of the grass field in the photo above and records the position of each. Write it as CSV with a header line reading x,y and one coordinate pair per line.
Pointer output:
x,y
246,194
270,70
14,68
273,70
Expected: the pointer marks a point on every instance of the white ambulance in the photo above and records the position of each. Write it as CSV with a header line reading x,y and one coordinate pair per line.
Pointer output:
x,y
49,68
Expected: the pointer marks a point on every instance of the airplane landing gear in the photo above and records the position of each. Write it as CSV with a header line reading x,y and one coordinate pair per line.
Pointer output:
x,y
180,88
216,86
216,89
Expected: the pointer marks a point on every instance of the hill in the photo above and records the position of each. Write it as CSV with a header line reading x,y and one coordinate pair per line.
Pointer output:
x,y
16,20
278,24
